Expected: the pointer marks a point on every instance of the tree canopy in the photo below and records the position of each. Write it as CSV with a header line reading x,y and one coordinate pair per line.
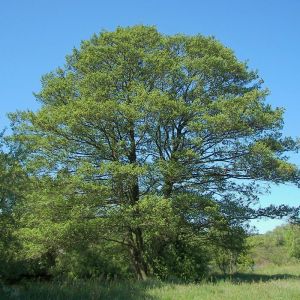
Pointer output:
x,y
150,148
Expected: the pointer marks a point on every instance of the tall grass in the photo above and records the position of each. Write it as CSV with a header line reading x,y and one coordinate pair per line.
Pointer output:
x,y
271,282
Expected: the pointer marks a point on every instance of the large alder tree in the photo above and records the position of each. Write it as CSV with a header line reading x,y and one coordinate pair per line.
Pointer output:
x,y
148,137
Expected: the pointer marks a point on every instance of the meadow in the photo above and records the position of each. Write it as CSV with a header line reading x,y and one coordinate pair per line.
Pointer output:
x,y
269,282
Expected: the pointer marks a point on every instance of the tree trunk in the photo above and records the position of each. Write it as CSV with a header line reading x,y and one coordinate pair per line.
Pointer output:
x,y
167,188
137,254
136,241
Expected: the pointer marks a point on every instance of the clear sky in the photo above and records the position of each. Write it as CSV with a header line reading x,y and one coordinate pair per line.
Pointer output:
x,y
36,35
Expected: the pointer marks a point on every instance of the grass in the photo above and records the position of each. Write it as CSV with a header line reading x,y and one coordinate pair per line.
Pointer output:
x,y
271,282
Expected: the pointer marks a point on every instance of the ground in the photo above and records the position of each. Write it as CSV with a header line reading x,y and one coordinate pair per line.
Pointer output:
x,y
269,282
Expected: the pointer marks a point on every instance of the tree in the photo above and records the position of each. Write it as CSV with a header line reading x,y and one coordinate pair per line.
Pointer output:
x,y
280,246
292,239
157,134
13,186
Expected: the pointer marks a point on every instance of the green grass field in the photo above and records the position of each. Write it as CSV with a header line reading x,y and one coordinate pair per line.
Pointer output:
x,y
266,283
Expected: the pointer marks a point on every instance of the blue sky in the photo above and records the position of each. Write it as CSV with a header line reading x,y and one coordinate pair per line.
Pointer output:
x,y
36,35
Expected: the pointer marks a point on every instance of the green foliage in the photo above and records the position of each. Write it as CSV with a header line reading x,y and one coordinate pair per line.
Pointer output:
x,y
13,187
147,154
279,247
184,258
293,240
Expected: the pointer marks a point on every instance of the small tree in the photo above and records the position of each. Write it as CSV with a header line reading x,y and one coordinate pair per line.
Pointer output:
x,y
293,240
13,186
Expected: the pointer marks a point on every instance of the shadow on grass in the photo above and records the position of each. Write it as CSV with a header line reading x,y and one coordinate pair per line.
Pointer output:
x,y
83,290
127,290
251,277
131,290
